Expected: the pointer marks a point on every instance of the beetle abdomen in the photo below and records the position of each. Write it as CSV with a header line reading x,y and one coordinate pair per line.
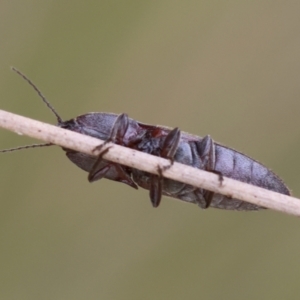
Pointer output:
x,y
236,165
227,162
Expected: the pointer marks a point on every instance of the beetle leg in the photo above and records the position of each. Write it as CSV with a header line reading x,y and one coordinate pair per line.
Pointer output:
x,y
99,174
221,178
170,144
120,176
95,169
117,132
116,136
208,196
119,129
168,151
206,150
156,185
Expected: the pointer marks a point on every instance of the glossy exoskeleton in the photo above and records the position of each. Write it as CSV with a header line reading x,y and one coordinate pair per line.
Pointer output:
x,y
202,153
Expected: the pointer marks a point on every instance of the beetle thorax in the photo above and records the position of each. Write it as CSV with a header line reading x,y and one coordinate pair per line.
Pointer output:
x,y
150,145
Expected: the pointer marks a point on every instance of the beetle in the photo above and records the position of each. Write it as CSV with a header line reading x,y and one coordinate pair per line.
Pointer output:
x,y
173,144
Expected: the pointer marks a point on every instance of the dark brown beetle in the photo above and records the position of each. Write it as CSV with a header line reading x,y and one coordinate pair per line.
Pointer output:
x,y
202,153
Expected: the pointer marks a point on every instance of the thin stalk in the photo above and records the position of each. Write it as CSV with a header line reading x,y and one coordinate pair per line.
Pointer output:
x,y
149,163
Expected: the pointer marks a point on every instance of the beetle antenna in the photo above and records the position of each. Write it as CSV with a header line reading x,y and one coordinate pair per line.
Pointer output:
x,y
26,147
59,119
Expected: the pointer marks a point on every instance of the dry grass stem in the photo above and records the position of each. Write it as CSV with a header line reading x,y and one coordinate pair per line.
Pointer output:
x,y
149,163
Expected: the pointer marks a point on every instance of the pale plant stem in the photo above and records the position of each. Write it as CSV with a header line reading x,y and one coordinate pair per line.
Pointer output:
x,y
149,163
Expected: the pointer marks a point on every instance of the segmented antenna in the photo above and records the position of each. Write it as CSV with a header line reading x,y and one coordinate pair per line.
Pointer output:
x,y
59,119
26,147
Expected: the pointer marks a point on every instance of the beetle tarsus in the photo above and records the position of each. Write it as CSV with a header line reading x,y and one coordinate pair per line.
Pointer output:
x,y
220,176
99,147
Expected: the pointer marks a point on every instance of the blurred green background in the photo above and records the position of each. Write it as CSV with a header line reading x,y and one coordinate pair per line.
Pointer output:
x,y
230,69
